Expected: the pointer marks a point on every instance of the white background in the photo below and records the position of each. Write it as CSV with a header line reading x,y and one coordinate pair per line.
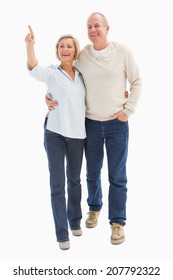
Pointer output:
x,y
27,229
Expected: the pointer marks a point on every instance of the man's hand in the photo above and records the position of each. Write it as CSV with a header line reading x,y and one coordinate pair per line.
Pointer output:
x,y
121,116
50,103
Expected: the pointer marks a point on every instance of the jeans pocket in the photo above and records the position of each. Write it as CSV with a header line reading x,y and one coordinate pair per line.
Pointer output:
x,y
121,121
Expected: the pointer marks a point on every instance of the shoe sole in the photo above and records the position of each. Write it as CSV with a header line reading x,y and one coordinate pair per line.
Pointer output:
x,y
90,226
64,249
117,241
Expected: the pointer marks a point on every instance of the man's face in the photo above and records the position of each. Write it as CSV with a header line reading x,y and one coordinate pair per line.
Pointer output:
x,y
97,29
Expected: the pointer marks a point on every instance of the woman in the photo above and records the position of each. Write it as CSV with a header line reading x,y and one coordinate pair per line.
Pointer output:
x,y
64,132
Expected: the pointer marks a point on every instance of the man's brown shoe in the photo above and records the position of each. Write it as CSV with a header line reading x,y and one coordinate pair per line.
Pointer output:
x,y
92,219
117,236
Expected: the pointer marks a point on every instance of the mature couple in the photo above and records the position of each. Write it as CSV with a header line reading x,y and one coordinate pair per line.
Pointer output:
x,y
91,108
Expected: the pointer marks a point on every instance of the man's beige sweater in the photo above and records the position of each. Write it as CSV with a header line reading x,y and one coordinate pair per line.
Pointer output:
x,y
106,75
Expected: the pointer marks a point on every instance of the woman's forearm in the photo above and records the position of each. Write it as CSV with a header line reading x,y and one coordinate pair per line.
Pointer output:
x,y
30,41
32,60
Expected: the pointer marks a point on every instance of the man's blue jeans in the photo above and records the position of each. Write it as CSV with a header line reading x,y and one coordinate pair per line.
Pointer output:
x,y
58,149
114,134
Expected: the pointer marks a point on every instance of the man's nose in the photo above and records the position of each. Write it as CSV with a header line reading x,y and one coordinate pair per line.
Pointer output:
x,y
92,29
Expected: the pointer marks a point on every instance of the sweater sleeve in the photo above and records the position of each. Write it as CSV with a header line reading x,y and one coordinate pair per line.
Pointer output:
x,y
135,83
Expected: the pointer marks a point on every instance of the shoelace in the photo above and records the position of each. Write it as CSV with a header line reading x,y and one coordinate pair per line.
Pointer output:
x,y
92,215
116,229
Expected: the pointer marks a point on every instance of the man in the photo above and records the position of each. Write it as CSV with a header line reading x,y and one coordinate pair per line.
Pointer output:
x,y
107,67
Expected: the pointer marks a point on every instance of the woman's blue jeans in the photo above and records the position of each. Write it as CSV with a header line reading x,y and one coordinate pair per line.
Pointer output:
x,y
114,135
59,150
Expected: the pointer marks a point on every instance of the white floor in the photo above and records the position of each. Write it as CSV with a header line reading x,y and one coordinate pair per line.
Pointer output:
x,y
27,229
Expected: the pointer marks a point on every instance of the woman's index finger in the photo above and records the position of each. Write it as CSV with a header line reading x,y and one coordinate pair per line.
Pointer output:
x,y
31,31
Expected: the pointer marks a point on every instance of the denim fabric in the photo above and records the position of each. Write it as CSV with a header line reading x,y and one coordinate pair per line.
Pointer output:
x,y
114,135
60,150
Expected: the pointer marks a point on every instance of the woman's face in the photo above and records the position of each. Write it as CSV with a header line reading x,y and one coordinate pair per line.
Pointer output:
x,y
66,50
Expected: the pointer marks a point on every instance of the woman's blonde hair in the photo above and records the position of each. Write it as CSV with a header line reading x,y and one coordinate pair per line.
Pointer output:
x,y
75,41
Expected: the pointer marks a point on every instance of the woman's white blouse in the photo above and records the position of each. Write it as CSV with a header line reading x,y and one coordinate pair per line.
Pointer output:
x,y
68,118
